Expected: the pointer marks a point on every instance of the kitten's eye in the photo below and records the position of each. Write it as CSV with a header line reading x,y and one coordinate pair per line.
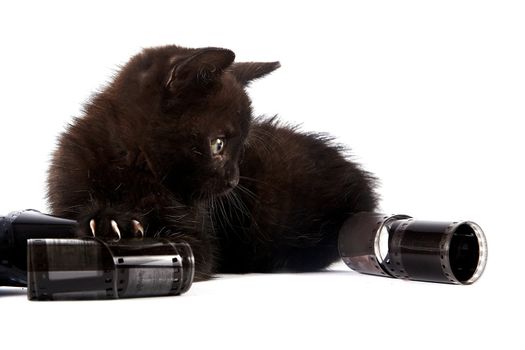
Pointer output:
x,y
217,146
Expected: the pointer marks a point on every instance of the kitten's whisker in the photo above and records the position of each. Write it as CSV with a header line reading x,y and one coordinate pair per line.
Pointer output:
x,y
176,218
221,216
226,216
242,177
240,209
233,206
248,192
159,232
175,234
263,235
211,211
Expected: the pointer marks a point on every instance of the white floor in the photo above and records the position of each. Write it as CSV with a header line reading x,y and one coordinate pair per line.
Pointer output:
x,y
429,96
333,309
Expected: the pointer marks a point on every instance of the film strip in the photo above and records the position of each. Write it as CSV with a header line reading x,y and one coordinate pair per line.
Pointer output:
x,y
400,246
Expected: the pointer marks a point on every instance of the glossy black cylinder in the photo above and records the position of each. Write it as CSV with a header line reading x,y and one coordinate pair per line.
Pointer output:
x,y
91,268
445,252
15,229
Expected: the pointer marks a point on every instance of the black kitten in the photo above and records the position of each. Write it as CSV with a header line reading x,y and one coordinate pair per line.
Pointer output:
x,y
170,148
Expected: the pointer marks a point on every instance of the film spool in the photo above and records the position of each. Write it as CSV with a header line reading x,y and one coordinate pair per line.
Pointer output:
x,y
91,268
401,247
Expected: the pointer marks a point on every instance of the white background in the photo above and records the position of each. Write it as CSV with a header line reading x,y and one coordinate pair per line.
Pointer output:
x,y
429,95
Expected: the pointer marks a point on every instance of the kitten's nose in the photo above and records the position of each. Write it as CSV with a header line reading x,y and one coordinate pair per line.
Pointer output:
x,y
233,182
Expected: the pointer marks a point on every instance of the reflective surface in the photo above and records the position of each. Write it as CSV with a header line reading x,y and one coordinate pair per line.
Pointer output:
x,y
445,252
90,268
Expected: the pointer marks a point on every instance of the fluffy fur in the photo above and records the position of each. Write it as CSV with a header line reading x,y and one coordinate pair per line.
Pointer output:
x,y
272,199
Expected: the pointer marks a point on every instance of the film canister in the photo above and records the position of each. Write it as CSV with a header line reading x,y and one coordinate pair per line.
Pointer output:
x,y
402,247
92,268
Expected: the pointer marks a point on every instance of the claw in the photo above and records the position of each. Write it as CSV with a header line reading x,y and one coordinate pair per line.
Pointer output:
x,y
137,227
92,226
115,228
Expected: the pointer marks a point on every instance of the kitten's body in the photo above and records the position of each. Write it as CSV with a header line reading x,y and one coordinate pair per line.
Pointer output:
x,y
142,152
296,190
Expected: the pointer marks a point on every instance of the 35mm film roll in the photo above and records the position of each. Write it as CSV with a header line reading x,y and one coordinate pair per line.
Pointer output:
x,y
91,268
402,247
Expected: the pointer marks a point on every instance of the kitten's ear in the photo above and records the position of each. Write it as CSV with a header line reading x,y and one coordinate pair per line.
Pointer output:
x,y
245,72
200,69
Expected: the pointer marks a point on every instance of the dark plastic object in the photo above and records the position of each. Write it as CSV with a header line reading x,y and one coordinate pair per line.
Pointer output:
x,y
41,251
15,229
401,247
90,268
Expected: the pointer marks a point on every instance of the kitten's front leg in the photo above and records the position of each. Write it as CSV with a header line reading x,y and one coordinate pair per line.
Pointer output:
x,y
179,222
123,217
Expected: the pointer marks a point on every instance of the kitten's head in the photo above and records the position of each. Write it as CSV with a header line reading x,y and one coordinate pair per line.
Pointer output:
x,y
193,114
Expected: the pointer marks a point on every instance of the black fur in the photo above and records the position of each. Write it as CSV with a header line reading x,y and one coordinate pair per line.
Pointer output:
x,y
273,199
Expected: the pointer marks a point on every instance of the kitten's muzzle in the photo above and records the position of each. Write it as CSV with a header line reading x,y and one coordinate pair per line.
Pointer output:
x,y
232,183
229,186
232,176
